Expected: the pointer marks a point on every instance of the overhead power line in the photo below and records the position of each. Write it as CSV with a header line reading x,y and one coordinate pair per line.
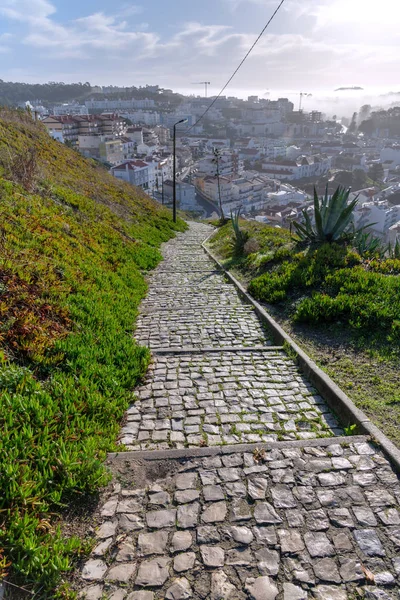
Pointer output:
x,y
238,67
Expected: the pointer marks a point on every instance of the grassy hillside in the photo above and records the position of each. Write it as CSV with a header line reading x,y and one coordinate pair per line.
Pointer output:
x,y
342,308
74,247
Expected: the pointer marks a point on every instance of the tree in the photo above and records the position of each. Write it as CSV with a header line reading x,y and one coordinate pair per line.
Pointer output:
x,y
367,127
365,112
376,172
359,179
247,164
344,178
353,124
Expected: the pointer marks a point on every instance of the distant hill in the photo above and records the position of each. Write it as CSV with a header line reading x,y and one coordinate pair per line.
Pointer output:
x,y
12,93
75,245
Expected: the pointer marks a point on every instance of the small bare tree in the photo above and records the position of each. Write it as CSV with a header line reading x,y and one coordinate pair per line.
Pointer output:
x,y
21,167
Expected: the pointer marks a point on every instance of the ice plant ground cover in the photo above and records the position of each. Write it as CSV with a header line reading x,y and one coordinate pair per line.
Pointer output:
x,y
75,245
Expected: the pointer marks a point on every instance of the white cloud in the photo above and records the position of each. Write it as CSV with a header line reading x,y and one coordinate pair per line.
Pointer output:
x,y
26,10
359,12
207,39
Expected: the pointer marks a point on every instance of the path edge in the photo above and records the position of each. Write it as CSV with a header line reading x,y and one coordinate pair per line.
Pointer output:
x,y
337,400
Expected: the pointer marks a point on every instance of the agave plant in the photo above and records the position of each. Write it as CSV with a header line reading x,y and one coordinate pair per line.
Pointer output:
x,y
365,243
394,251
241,236
333,219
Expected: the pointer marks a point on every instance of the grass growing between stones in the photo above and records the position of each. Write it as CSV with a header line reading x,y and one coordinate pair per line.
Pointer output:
x,y
342,308
74,247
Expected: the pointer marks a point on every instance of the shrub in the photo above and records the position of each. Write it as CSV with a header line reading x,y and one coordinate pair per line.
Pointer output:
x,y
390,266
251,247
303,272
21,167
363,300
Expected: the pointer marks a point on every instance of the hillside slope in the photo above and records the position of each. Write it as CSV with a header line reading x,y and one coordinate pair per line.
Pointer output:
x,y
74,247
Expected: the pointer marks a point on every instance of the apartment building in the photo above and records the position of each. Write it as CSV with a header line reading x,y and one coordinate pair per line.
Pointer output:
x,y
135,172
69,128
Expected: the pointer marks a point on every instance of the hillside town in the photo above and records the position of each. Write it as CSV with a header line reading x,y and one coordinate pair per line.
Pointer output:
x,y
260,156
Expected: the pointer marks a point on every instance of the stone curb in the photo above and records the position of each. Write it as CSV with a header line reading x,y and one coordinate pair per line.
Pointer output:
x,y
337,400
176,453
210,349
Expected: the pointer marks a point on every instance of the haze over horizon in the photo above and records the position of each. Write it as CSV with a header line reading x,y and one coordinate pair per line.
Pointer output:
x,y
320,45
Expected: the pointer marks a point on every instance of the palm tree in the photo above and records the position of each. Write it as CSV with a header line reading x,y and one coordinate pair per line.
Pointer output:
x,y
215,160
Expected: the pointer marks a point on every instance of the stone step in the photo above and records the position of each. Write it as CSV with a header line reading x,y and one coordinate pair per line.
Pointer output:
x,y
214,398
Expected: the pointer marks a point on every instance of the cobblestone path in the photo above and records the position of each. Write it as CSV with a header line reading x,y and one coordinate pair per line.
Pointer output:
x,y
240,484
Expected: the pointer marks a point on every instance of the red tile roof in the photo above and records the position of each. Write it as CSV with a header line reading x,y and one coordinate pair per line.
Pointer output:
x,y
130,165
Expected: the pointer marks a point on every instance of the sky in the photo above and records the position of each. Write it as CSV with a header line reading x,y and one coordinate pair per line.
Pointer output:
x,y
311,45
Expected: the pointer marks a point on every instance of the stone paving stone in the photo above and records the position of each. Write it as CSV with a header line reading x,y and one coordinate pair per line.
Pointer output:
x,y
261,555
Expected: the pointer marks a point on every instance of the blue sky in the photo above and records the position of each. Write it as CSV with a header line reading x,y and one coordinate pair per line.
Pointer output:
x,y
311,45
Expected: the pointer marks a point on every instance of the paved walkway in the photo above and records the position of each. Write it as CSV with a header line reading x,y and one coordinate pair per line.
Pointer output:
x,y
303,513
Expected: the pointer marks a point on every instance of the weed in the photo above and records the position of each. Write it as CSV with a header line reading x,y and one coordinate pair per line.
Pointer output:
x,y
289,350
259,455
350,430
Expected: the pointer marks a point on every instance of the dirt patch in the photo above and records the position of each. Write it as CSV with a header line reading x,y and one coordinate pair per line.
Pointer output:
x,y
132,473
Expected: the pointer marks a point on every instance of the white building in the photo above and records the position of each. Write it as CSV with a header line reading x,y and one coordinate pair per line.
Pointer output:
x,y
394,234
70,109
391,154
185,194
118,105
286,195
290,170
135,172
379,215
229,164
148,118
273,148
209,187
293,152
135,134
147,148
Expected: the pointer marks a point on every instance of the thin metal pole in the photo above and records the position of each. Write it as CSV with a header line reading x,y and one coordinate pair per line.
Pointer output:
x,y
174,180
162,188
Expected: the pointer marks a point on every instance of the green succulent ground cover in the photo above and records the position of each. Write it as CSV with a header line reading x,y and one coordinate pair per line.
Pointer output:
x,y
344,309
75,245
